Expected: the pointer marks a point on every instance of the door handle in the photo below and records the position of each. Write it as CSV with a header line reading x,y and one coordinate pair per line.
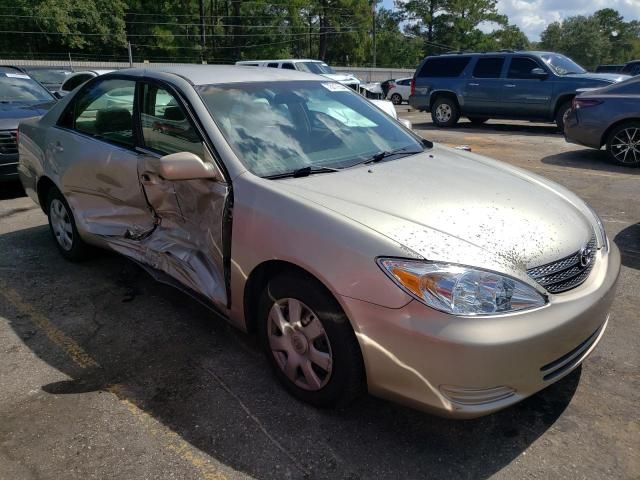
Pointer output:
x,y
509,85
474,84
58,147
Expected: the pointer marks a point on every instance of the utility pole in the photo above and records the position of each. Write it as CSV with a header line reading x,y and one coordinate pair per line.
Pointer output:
x,y
203,34
130,55
373,14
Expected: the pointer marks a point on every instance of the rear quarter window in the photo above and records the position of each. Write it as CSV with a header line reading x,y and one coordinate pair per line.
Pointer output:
x,y
444,66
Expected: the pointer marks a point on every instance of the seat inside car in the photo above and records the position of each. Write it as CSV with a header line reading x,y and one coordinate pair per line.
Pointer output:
x,y
115,124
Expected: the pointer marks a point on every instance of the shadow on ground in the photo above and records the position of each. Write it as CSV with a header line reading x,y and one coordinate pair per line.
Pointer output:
x,y
588,159
9,190
200,377
628,241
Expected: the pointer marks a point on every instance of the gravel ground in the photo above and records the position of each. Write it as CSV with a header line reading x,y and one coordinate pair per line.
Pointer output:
x,y
106,374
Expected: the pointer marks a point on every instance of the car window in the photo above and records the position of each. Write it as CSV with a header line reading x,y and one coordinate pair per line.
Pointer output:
x,y
444,66
277,127
273,65
74,82
288,66
104,111
488,67
165,126
521,67
404,82
631,69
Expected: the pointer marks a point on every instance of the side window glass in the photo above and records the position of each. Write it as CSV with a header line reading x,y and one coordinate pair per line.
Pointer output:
x,y
273,65
165,126
521,67
105,111
488,67
288,66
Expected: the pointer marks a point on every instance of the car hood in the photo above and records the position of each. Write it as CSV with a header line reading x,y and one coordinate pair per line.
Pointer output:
x,y
12,113
603,77
458,207
341,77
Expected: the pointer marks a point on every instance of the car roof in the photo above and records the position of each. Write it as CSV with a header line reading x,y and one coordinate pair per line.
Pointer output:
x,y
499,52
219,74
293,60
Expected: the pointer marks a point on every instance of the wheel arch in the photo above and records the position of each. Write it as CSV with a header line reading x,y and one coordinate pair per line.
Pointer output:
x,y
610,128
443,93
43,187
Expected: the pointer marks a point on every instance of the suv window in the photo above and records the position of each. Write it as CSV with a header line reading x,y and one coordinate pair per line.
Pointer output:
x,y
521,67
288,66
104,111
165,126
444,66
273,65
488,67
631,69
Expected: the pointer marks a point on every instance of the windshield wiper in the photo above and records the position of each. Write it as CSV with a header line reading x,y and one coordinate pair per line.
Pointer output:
x,y
378,157
301,172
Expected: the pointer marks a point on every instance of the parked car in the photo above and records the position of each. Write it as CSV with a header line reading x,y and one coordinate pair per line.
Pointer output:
x,y
609,68
399,91
363,256
78,78
608,117
535,86
306,65
20,97
631,68
51,78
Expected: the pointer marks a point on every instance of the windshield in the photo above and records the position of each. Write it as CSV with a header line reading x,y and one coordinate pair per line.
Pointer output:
x,y
562,65
19,87
314,67
279,127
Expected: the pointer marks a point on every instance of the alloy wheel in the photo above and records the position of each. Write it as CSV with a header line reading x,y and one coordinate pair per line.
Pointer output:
x,y
625,146
443,113
61,224
299,344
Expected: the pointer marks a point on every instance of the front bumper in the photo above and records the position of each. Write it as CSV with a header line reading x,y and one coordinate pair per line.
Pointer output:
x,y
469,367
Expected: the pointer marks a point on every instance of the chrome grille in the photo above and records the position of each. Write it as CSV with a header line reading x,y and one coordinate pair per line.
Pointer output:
x,y
8,143
568,272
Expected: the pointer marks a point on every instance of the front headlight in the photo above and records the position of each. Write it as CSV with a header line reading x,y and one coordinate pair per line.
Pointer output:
x,y
461,290
604,241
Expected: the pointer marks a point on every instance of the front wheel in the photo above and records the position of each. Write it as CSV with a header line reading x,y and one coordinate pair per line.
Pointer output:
x,y
623,144
445,112
562,109
63,228
309,342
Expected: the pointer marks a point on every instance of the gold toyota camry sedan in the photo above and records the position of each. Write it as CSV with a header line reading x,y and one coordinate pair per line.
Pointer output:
x,y
364,257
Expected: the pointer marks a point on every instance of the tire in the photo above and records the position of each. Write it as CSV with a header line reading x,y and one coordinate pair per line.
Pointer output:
x,y
445,112
478,120
622,144
562,109
396,99
63,229
322,333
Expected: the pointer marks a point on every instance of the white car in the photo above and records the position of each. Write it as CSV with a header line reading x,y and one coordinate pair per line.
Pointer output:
x,y
399,91
78,78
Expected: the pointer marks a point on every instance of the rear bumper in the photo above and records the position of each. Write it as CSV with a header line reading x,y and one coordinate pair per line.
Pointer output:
x,y
468,367
579,130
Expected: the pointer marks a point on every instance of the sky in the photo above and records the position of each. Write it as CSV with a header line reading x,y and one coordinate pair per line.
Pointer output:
x,y
533,16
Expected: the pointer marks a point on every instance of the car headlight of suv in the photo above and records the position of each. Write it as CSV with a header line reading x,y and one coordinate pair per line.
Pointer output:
x,y
461,290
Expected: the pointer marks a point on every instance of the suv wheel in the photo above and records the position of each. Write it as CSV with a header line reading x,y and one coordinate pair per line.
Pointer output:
x,y
445,112
562,109
623,144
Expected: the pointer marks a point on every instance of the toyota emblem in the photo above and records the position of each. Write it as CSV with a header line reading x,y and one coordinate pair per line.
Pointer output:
x,y
585,256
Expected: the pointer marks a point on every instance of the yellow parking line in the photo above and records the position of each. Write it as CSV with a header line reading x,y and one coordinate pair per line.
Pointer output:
x,y
170,440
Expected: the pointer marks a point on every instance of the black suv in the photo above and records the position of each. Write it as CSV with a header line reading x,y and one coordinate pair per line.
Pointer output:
x,y
537,86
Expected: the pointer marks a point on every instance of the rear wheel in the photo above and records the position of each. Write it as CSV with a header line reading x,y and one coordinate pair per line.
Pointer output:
x,y
309,342
396,99
445,112
478,120
623,144
562,109
63,228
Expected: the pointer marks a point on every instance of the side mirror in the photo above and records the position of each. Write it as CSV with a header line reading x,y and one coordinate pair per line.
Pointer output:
x,y
184,166
406,123
539,73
